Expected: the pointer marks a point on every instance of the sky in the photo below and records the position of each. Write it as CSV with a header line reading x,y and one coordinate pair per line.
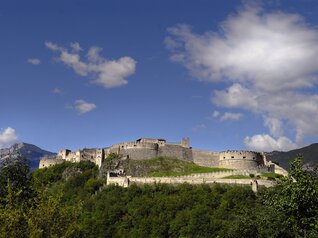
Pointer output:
x,y
227,74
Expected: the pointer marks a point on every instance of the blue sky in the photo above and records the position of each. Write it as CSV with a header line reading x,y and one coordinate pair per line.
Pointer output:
x,y
227,74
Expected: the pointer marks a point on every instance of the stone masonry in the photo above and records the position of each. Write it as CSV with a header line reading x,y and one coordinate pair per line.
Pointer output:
x,y
147,148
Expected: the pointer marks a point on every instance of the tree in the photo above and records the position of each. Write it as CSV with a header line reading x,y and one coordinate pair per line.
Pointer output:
x,y
15,173
296,196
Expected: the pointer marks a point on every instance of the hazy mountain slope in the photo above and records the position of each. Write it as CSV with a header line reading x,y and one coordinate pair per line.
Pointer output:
x,y
309,153
31,152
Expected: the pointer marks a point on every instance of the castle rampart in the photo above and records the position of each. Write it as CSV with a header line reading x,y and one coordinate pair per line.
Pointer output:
x,y
233,159
176,151
205,158
147,148
49,162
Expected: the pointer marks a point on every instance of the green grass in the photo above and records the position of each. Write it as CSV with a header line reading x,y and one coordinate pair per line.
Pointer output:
x,y
166,166
237,177
271,176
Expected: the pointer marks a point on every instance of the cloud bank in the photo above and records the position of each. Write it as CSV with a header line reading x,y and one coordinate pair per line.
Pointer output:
x,y
270,61
8,137
108,73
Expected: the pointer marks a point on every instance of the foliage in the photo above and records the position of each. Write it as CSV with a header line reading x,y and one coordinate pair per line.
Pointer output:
x,y
296,197
74,205
50,175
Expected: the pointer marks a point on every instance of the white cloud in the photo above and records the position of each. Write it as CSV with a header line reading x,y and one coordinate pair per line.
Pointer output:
x,y
231,116
227,116
57,91
268,58
264,142
215,114
275,126
272,51
76,47
108,73
34,61
8,137
83,107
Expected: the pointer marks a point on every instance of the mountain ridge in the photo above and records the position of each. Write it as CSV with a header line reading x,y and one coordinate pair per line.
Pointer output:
x,y
309,154
32,152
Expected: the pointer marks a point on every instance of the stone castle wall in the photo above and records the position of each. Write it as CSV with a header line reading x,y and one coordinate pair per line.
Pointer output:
x,y
176,151
240,160
136,151
145,148
49,162
205,158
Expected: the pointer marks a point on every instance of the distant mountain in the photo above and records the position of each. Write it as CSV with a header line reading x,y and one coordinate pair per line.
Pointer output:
x,y
309,154
31,152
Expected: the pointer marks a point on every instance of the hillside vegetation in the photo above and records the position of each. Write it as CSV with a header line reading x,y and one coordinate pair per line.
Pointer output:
x,y
166,166
69,200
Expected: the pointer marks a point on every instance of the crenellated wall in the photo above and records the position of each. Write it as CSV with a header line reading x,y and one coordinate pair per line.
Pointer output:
x,y
136,151
147,148
234,159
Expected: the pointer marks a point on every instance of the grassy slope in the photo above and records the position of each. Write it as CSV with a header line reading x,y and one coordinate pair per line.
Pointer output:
x,y
164,166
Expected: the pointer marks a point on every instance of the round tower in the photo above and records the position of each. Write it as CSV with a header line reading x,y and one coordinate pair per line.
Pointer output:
x,y
242,160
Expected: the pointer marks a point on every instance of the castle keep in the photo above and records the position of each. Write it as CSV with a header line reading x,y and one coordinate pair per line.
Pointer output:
x,y
147,148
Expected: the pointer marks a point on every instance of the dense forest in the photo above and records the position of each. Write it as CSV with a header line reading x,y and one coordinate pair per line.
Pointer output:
x,y
70,200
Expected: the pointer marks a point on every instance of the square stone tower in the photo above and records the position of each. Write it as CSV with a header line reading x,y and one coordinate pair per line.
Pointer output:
x,y
185,142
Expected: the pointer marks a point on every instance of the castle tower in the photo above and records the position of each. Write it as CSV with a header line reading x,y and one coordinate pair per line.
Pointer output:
x,y
63,153
78,155
185,142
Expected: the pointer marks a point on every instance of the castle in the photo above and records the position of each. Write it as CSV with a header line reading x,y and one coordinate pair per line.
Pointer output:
x,y
147,148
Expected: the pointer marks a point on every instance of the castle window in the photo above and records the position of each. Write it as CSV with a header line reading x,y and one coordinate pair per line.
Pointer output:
x,y
254,158
232,157
224,157
244,157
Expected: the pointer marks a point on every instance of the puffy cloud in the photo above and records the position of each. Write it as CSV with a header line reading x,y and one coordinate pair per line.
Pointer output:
x,y
236,96
264,142
230,116
8,137
83,107
34,61
108,73
227,116
269,60
272,51
299,110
